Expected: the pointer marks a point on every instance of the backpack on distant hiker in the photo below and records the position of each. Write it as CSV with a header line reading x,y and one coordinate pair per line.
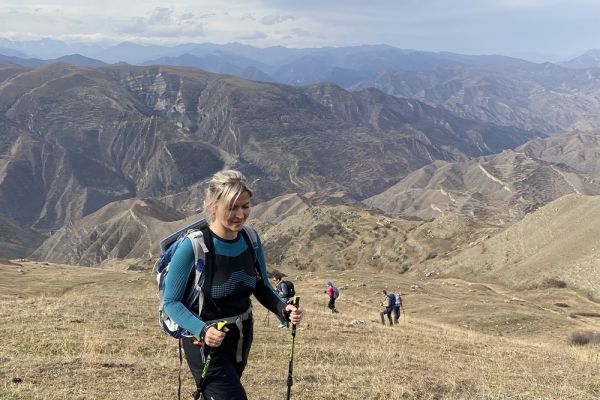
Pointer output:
x,y
391,300
201,239
291,292
336,292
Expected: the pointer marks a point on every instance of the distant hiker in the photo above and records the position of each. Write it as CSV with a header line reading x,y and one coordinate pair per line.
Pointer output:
x,y
235,269
388,305
397,305
333,293
285,289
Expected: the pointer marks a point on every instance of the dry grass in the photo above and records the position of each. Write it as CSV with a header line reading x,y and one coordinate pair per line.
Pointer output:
x,y
87,333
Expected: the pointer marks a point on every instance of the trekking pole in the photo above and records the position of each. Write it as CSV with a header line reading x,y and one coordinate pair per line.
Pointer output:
x,y
295,302
219,326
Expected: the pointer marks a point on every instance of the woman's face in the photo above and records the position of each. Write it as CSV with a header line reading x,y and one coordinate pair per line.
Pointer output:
x,y
228,221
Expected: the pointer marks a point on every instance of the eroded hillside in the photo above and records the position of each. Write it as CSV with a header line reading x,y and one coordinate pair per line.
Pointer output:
x,y
556,246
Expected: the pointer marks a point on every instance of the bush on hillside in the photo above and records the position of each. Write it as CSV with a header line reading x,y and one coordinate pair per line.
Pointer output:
x,y
583,338
554,283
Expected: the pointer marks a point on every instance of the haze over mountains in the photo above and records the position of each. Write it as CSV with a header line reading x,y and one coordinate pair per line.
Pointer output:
x,y
105,159
344,66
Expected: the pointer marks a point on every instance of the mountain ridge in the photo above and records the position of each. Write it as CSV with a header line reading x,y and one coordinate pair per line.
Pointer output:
x,y
144,127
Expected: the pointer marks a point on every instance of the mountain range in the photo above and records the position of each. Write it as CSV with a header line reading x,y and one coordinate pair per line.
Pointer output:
x,y
345,66
389,158
84,137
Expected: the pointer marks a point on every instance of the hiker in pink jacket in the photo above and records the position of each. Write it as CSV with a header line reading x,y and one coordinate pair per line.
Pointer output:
x,y
332,293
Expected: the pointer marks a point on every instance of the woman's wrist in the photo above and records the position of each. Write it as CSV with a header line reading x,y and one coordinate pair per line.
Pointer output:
x,y
203,332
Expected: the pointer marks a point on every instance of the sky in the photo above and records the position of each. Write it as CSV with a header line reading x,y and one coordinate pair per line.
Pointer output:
x,y
558,29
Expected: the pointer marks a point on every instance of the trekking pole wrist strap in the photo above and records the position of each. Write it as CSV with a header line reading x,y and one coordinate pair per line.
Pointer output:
x,y
203,332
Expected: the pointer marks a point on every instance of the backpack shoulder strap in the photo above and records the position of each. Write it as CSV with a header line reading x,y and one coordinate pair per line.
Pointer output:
x,y
252,235
198,244
251,238
200,248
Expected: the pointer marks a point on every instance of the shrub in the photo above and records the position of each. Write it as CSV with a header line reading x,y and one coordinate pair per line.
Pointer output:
x,y
585,314
583,338
554,283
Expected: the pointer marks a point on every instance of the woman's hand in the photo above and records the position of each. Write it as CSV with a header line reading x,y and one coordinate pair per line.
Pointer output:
x,y
213,337
295,313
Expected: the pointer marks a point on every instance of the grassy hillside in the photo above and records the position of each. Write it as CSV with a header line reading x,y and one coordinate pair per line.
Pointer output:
x,y
556,246
82,333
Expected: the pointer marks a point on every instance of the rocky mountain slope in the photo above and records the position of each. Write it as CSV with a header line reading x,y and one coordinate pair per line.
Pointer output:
x,y
295,232
578,150
16,241
544,97
123,229
589,59
499,189
556,246
84,137
328,238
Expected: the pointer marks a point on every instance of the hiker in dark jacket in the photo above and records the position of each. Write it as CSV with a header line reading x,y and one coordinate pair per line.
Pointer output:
x,y
388,305
283,289
397,305
231,278
281,286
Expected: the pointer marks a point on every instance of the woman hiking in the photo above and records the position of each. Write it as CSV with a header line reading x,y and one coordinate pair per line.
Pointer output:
x,y
231,278
388,305
331,294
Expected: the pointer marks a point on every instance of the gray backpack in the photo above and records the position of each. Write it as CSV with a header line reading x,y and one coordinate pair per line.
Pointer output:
x,y
196,232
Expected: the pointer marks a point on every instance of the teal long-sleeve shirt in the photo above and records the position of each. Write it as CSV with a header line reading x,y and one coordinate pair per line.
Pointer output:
x,y
182,264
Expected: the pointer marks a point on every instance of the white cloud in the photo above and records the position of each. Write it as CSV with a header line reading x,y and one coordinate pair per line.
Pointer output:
x,y
275,19
300,32
474,26
165,23
162,16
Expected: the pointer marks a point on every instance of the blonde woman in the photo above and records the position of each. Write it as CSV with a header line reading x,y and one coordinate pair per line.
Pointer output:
x,y
234,271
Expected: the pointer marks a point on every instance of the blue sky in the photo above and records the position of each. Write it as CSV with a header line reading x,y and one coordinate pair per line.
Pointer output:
x,y
557,28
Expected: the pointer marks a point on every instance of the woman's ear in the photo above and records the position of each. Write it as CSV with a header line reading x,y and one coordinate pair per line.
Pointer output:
x,y
212,208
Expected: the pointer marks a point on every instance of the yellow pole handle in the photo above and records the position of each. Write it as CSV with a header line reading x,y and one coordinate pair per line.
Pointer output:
x,y
220,325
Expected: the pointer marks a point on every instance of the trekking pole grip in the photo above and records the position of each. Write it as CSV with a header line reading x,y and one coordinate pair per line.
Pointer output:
x,y
220,325
295,301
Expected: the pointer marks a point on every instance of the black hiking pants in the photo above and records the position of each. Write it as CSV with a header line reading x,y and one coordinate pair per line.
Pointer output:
x,y
331,304
386,311
224,372
396,314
